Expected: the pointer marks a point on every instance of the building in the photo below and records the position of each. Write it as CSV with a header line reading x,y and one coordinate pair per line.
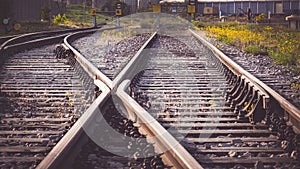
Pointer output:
x,y
133,5
227,7
100,3
25,10
146,3
93,3
14,11
55,7
286,7
173,7
29,10
142,4
154,1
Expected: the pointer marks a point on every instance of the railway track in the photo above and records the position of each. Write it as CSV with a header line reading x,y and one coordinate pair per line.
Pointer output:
x,y
220,117
30,38
171,102
42,96
223,120
277,77
5,38
130,148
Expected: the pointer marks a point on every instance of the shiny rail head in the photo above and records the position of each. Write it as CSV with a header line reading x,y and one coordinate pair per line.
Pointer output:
x,y
174,151
15,39
63,148
131,68
88,66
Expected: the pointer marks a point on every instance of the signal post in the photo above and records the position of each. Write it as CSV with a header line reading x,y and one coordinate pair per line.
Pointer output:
x,y
157,9
118,13
191,9
93,13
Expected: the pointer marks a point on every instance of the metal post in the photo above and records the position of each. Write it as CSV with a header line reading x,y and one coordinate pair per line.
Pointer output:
x,y
269,16
94,21
158,21
118,13
118,22
189,20
93,4
191,9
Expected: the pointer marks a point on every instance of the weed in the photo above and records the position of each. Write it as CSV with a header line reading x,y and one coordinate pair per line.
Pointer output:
x,y
260,18
60,19
255,50
277,42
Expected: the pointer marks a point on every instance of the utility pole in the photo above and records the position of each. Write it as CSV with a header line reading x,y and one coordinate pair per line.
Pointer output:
x,y
93,4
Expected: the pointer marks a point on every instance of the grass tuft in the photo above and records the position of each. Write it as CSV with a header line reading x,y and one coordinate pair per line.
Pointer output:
x,y
277,42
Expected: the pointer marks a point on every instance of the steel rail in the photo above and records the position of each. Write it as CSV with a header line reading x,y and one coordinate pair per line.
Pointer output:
x,y
6,38
88,66
293,111
129,71
55,156
64,146
175,152
24,37
34,43
33,40
178,156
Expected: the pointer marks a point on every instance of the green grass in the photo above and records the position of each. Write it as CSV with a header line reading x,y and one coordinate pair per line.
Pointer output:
x,y
278,42
255,50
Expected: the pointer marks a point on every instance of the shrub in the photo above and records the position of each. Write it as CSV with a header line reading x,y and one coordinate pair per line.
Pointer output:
x,y
60,19
260,18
